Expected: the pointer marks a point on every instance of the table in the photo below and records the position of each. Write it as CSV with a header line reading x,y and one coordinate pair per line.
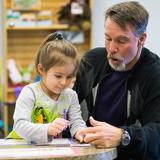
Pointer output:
x,y
20,149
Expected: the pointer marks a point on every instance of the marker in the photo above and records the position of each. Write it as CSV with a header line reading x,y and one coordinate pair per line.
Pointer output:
x,y
64,115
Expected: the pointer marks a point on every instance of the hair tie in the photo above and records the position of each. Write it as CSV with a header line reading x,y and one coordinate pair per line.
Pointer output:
x,y
57,36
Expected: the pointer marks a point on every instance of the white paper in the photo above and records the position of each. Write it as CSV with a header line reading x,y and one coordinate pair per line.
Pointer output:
x,y
65,142
10,142
59,142
80,145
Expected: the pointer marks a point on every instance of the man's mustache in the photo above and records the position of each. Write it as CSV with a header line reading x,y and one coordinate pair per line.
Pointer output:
x,y
115,56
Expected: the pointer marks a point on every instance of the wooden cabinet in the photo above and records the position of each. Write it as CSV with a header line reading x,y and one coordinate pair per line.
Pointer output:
x,y
22,41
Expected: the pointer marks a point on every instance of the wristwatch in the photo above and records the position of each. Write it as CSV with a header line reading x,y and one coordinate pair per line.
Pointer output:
x,y
125,139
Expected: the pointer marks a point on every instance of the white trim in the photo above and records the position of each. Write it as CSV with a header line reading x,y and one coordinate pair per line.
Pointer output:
x,y
128,103
94,93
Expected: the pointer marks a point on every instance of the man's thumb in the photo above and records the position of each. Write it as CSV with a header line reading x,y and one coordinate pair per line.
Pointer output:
x,y
93,122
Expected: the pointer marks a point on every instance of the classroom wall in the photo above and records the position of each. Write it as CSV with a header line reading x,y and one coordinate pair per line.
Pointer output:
x,y
153,31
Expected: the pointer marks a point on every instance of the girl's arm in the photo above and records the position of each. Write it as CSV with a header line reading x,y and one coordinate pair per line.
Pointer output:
x,y
22,118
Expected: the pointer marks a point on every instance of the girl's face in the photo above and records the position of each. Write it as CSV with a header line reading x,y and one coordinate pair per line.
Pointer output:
x,y
56,79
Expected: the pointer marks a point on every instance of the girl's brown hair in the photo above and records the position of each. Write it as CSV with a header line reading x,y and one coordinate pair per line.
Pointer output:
x,y
55,50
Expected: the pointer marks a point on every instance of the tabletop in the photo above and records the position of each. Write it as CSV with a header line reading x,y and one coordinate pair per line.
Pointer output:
x,y
58,149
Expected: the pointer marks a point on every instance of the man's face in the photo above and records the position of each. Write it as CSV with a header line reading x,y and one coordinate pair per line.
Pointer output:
x,y
122,45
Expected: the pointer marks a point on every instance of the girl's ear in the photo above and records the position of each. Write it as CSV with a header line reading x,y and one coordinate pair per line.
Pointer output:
x,y
40,69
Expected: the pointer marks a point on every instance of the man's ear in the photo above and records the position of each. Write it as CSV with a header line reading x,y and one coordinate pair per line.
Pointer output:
x,y
142,39
40,69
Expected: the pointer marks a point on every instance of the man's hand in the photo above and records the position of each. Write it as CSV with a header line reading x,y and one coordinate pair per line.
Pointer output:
x,y
57,126
102,134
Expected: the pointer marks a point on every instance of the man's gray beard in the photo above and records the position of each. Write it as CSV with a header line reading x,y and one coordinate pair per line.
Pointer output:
x,y
121,67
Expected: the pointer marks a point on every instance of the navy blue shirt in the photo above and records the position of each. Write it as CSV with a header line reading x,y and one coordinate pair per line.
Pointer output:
x,y
111,104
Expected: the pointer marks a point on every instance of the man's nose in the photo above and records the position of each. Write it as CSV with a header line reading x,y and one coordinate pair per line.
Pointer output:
x,y
113,48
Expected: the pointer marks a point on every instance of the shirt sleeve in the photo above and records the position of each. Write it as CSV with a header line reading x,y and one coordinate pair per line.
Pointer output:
x,y
22,118
74,114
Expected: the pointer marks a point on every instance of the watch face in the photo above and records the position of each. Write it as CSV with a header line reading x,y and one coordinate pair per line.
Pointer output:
x,y
125,141
125,138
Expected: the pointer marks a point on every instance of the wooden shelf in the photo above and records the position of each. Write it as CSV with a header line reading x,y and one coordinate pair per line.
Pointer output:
x,y
53,27
25,6
10,90
27,10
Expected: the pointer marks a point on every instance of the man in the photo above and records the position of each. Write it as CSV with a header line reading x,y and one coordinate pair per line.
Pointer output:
x,y
121,86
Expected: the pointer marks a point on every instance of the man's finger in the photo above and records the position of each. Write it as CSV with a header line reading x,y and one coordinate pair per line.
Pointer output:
x,y
91,137
91,130
93,122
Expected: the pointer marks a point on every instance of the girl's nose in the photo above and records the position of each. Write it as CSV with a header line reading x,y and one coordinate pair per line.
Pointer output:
x,y
63,81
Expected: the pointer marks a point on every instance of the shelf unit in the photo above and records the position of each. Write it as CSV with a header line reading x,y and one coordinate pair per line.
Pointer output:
x,y
21,44
53,27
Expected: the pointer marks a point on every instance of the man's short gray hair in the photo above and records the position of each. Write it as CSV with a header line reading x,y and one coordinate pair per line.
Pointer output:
x,y
131,13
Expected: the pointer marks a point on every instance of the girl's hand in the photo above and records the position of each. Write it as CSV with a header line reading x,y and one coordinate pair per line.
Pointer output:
x,y
57,126
79,136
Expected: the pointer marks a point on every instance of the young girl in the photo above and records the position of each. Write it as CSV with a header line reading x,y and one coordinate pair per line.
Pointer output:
x,y
44,109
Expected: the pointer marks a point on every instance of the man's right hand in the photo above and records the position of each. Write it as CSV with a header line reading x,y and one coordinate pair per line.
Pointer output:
x,y
102,135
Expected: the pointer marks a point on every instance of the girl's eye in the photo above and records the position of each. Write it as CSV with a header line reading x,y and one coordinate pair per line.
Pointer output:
x,y
58,76
69,77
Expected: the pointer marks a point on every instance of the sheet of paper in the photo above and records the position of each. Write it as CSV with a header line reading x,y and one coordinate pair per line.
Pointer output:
x,y
60,142
9,142
36,152
80,145
57,142
65,142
